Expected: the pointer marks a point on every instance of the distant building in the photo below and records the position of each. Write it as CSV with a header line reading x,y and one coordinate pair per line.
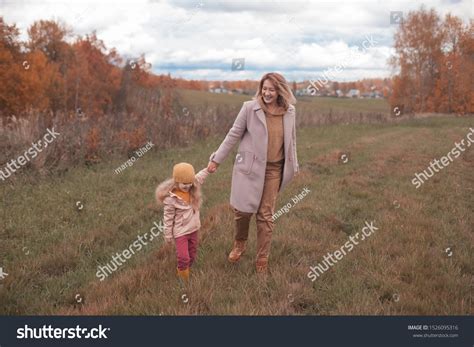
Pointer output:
x,y
353,93
302,92
220,90
374,94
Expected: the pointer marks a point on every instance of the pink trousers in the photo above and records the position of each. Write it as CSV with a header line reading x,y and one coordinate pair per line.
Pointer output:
x,y
186,249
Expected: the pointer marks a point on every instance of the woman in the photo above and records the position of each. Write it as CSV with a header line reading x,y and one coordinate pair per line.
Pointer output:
x,y
266,161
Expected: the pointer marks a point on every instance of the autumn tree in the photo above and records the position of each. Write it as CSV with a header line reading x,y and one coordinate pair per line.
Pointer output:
x,y
50,38
27,76
10,68
95,78
430,55
454,92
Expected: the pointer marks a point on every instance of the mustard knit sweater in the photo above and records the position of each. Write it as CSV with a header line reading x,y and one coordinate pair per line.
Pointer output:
x,y
275,150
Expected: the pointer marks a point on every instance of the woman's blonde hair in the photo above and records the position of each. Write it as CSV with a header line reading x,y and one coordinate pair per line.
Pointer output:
x,y
285,95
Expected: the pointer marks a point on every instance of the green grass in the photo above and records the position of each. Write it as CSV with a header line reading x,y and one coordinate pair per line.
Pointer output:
x,y
324,104
193,98
51,250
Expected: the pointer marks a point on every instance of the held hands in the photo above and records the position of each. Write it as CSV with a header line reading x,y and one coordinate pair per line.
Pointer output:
x,y
212,166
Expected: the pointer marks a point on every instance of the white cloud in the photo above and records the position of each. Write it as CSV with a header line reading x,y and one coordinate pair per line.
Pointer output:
x,y
198,39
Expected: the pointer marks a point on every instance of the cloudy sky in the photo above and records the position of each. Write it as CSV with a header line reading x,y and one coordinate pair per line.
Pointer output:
x,y
230,40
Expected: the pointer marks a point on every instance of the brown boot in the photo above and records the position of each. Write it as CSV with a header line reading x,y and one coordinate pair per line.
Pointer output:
x,y
237,251
261,265
183,274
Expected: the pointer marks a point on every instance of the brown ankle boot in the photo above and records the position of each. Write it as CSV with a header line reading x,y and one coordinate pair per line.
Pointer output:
x,y
261,265
183,274
237,251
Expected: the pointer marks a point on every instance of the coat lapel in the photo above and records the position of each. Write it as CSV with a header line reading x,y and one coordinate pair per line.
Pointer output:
x,y
261,116
287,126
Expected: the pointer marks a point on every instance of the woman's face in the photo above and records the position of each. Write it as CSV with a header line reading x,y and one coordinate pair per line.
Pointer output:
x,y
185,187
269,92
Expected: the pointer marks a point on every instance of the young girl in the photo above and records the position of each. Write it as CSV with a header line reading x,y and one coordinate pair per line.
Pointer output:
x,y
181,196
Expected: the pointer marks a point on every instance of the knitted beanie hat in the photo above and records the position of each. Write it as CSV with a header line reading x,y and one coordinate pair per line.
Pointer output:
x,y
183,173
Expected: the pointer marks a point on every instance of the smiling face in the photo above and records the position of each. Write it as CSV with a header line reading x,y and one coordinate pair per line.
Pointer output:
x,y
185,187
269,92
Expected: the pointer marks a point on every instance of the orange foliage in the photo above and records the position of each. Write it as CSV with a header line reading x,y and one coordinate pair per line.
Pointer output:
x,y
92,145
435,64
47,72
136,138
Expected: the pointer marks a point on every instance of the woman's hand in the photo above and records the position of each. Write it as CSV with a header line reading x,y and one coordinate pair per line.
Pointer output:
x,y
212,166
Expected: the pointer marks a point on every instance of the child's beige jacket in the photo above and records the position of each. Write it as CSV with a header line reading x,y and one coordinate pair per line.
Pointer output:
x,y
181,218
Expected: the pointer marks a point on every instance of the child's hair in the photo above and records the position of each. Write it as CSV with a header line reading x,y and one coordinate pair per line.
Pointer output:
x,y
163,189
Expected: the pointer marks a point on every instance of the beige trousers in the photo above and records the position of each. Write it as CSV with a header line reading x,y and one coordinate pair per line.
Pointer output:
x,y
273,176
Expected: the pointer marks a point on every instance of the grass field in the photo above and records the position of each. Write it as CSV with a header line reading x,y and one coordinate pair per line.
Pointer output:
x,y
192,98
51,248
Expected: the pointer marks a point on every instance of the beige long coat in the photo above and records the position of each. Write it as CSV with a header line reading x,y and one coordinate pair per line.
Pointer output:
x,y
248,175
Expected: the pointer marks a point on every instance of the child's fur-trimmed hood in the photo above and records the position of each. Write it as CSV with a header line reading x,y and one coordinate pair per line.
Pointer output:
x,y
164,189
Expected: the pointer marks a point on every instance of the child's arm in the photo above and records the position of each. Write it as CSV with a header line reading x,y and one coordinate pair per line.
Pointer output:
x,y
201,176
168,219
